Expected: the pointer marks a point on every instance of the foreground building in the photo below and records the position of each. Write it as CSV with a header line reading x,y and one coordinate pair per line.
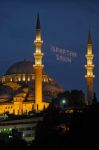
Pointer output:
x,y
24,126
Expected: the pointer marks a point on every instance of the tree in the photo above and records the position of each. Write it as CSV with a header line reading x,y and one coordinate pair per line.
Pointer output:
x,y
77,97
94,98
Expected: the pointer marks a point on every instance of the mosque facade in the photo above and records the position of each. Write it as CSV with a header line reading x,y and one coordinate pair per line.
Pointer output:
x,y
25,86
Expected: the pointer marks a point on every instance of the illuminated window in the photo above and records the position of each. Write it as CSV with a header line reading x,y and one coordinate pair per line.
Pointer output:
x,y
11,79
23,78
44,80
19,79
28,79
32,77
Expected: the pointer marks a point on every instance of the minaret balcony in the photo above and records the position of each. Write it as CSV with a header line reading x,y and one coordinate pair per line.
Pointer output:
x,y
90,76
89,66
89,56
38,42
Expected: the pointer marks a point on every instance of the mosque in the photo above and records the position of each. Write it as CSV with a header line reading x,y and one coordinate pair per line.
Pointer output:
x,y
26,87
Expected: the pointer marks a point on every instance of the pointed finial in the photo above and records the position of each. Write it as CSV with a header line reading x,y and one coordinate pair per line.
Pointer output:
x,y
38,23
89,38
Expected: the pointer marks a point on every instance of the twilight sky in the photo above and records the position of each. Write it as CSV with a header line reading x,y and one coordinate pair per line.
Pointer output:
x,y
64,24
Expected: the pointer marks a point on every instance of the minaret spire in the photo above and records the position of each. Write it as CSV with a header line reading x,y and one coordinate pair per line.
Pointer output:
x,y
89,38
38,23
38,68
38,29
89,70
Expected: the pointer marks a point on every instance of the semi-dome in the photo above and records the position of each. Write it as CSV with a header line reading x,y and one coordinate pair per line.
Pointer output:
x,y
22,67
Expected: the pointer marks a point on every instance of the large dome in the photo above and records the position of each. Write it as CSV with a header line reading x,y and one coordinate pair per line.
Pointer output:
x,y
20,76
22,67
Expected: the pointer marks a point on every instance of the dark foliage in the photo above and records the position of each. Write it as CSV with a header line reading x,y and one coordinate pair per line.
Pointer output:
x,y
83,130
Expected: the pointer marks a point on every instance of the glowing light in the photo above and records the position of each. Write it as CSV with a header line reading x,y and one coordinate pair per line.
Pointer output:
x,y
63,58
11,79
63,101
28,79
23,78
19,79
63,55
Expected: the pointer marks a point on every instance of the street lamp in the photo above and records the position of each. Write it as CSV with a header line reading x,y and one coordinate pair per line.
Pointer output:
x,y
63,101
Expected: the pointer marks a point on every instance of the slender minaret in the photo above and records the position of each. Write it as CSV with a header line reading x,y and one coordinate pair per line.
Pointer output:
x,y
89,71
38,68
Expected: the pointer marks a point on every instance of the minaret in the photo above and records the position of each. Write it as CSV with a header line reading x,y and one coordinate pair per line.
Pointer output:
x,y
89,71
38,68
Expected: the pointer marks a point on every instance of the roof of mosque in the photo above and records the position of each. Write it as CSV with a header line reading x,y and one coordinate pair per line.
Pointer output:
x,y
22,67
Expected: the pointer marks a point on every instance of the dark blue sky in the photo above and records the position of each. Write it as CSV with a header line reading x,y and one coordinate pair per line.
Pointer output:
x,y
64,24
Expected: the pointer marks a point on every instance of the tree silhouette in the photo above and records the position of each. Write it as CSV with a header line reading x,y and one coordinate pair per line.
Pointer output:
x,y
94,98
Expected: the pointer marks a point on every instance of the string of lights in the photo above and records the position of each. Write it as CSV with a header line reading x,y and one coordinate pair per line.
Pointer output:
x,y
63,55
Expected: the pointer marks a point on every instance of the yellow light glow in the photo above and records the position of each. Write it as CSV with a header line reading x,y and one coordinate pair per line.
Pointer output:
x,y
89,74
23,78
